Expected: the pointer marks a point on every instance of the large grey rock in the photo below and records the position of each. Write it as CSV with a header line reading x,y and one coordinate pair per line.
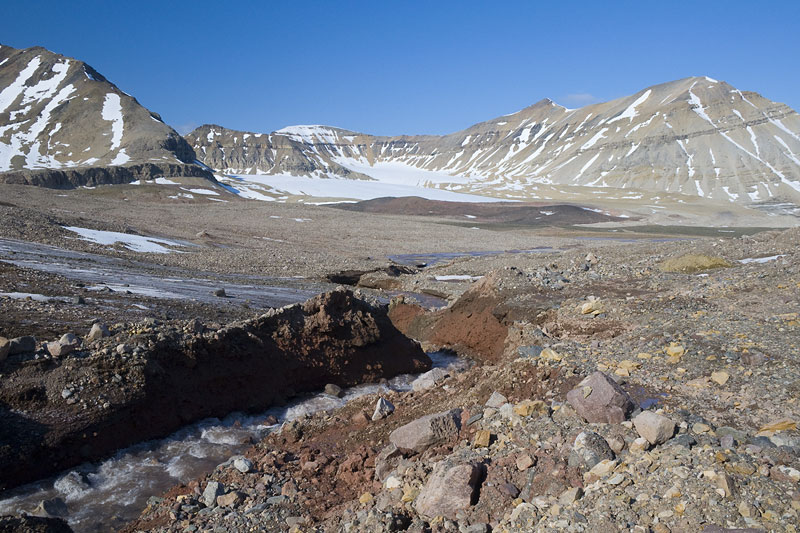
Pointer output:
x,y
427,431
5,347
589,449
383,408
429,379
20,345
386,461
243,464
496,400
598,398
212,490
55,507
449,489
68,343
656,428
334,390
97,332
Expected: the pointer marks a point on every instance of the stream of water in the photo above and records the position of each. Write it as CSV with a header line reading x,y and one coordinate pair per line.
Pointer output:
x,y
104,496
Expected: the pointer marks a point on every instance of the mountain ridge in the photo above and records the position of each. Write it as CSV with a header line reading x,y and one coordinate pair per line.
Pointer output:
x,y
60,114
703,138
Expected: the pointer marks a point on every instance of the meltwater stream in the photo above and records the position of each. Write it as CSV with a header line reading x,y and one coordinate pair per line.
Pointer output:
x,y
104,496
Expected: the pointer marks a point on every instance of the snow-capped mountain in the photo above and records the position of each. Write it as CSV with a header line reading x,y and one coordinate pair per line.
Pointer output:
x,y
59,114
695,136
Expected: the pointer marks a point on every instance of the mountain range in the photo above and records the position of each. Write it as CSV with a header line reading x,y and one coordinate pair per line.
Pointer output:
x,y
695,136
63,124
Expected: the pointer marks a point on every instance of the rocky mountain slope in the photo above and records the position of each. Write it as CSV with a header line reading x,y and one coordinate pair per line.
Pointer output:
x,y
61,121
695,136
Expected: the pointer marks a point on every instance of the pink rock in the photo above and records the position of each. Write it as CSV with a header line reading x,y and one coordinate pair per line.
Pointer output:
x,y
449,489
598,398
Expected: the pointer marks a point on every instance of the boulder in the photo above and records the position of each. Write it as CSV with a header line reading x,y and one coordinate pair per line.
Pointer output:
x,y
598,398
383,408
333,390
97,332
56,349
5,347
429,379
449,489
656,428
589,449
213,490
68,343
243,464
54,507
232,499
496,400
427,431
20,345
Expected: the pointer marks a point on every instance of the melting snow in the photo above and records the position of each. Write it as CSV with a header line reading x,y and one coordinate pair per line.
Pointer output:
x,y
457,277
207,192
310,134
761,259
12,92
112,111
630,112
254,185
137,243
121,158
597,136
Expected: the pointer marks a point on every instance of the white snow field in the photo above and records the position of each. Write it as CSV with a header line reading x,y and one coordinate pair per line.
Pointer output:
x,y
137,243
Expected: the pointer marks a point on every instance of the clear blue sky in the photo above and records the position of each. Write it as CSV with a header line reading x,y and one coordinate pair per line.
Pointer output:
x,y
407,67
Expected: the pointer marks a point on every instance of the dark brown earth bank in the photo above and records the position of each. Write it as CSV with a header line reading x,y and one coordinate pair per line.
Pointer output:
x,y
137,381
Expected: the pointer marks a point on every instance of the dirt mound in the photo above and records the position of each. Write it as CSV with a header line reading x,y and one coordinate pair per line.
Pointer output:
x,y
477,323
33,524
148,380
691,263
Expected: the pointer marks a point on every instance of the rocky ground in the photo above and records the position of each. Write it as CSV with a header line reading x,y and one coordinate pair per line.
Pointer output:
x,y
688,420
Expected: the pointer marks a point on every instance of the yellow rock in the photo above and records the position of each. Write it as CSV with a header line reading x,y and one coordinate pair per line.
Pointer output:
x,y
680,508
720,378
784,424
644,355
409,494
629,365
482,439
622,372
587,390
551,355
529,407
675,350
365,498
594,307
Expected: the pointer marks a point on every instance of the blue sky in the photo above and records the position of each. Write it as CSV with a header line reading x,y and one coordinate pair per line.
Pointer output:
x,y
407,67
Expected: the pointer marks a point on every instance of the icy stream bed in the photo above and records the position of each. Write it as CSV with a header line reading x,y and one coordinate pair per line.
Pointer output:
x,y
103,496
